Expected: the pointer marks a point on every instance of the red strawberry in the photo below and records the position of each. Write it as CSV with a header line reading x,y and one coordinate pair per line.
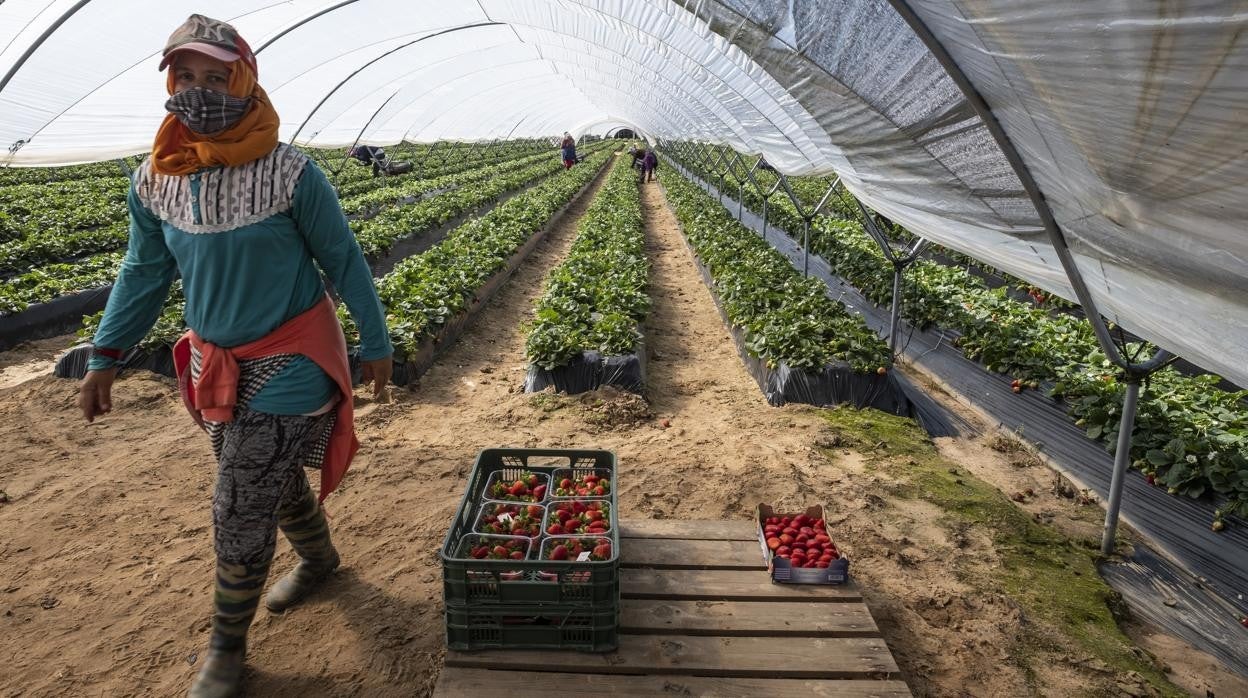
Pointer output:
x,y
594,515
579,508
571,525
555,530
539,492
602,551
565,483
534,511
500,551
531,481
563,515
600,491
517,555
560,552
773,543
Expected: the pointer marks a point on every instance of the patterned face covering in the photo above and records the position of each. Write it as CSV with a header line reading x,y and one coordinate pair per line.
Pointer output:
x,y
207,111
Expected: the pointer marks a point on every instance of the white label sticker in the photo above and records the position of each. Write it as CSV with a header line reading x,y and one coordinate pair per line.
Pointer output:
x,y
505,517
583,557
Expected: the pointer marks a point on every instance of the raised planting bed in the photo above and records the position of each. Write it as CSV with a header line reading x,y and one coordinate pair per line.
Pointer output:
x,y
799,345
586,327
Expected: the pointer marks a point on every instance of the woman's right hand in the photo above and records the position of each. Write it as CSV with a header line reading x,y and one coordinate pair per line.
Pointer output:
x,y
95,393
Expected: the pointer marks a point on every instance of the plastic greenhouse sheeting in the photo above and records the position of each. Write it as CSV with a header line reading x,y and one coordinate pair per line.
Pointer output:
x,y
1129,115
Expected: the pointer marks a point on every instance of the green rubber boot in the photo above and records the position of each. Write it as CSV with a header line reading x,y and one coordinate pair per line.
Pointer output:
x,y
221,676
299,582
304,525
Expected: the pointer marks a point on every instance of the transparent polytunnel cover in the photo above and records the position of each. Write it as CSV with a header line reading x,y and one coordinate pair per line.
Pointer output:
x,y
1130,115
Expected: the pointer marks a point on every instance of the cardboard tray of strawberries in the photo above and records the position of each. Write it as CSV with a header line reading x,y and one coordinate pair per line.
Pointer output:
x,y
798,549
535,526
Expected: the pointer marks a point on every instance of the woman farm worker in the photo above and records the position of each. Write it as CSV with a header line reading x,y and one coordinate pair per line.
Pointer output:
x,y
245,220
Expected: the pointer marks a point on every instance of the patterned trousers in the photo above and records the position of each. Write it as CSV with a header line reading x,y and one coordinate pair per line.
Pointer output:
x,y
261,487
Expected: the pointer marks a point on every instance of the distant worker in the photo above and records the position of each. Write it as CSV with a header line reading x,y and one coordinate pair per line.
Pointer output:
x,y
375,156
568,149
638,154
649,163
370,155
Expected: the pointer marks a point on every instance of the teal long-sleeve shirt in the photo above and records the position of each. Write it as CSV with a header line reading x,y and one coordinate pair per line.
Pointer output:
x,y
242,283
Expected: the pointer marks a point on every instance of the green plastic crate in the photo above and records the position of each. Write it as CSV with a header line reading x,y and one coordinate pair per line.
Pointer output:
x,y
469,583
532,627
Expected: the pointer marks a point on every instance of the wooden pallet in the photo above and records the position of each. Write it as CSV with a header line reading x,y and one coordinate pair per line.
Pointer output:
x,y
699,616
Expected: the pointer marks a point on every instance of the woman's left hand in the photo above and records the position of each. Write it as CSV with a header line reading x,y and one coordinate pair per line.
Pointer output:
x,y
377,372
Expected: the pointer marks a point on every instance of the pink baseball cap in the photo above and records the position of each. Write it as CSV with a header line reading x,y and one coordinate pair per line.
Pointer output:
x,y
211,37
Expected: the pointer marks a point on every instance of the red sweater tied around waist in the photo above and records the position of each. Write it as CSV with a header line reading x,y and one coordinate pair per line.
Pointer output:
x,y
316,334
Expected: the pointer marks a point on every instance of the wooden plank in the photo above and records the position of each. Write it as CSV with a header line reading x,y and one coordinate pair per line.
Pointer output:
x,y
727,585
757,657
772,618
691,554
458,682
689,530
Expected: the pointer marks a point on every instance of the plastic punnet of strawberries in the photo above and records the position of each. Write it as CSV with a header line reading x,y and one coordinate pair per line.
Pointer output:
x,y
511,519
526,487
577,549
488,548
570,484
801,540
577,517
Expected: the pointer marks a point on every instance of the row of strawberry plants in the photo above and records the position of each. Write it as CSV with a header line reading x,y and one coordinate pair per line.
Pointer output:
x,y
51,281
363,182
596,299
456,176
379,233
423,292
38,250
785,318
45,175
1190,437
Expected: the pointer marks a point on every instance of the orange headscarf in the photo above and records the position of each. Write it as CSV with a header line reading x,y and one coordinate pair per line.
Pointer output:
x,y
179,150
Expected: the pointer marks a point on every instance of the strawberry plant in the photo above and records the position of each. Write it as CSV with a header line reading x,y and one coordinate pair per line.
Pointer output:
x,y
578,517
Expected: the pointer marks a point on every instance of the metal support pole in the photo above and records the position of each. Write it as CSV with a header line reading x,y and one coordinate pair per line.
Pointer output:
x,y
895,316
1122,456
766,201
806,247
121,162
